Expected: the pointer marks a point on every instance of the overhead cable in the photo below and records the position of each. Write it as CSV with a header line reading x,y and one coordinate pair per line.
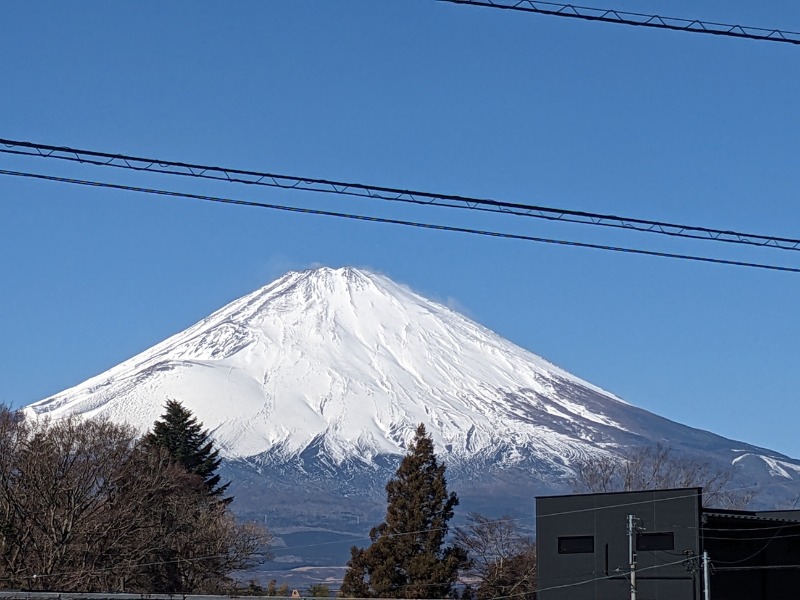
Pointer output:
x,y
374,219
758,568
113,595
291,182
609,15
620,575
678,494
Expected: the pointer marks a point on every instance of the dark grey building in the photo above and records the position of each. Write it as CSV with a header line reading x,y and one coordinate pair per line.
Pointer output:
x,y
583,545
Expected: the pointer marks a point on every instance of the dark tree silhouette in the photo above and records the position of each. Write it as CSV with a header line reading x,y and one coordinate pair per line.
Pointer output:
x,y
408,557
179,433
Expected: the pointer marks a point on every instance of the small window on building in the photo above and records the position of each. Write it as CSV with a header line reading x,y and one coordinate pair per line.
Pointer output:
x,y
663,540
576,544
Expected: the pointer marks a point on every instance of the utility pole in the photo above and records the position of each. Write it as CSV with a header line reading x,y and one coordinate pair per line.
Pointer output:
x,y
706,577
633,529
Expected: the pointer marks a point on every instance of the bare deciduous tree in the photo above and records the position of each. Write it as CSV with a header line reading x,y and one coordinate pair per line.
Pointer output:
x,y
13,533
201,544
85,506
502,559
659,467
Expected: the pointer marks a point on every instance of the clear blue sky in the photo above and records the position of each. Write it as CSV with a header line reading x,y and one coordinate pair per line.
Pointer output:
x,y
426,95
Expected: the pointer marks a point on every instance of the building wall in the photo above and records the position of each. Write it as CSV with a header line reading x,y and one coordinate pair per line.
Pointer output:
x,y
754,558
570,567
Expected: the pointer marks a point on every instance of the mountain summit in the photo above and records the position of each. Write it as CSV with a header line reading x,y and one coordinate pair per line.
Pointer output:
x,y
330,370
353,361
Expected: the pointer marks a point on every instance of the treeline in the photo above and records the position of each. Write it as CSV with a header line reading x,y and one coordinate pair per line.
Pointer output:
x,y
90,506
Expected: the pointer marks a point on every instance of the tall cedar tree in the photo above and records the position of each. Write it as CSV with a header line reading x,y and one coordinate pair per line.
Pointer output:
x,y
407,557
180,433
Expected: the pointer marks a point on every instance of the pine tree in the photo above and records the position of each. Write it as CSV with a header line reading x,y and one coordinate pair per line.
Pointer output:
x,y
182,435
407,557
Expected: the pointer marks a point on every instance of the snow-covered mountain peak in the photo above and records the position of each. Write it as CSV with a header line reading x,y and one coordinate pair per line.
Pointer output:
x,y
349,362
338,366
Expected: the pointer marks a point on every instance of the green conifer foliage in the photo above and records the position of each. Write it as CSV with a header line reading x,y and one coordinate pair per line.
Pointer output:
x,y
408,557
183,436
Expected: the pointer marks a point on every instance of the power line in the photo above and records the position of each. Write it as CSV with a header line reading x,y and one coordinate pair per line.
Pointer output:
x,y
373,219
135,565
752,538
679,494
754,554
757,568
608,15
327,186
624,574
43,594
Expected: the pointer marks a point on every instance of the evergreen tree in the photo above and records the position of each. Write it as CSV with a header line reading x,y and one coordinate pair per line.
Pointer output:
x,y
182,435
407,557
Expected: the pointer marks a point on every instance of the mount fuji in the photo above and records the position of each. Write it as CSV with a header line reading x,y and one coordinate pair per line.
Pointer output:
x,y
313,385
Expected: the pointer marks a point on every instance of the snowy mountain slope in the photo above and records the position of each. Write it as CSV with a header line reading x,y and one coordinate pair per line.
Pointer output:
x,y
348,355
332,369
